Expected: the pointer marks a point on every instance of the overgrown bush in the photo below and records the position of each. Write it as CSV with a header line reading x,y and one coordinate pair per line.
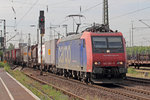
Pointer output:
x,y
2,65
5,66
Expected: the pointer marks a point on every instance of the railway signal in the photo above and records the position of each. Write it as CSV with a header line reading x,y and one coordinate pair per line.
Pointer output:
x,y
42,22
42,32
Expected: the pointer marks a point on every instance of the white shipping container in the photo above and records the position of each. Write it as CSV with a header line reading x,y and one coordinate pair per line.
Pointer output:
x,y
50,52
25,53
39,53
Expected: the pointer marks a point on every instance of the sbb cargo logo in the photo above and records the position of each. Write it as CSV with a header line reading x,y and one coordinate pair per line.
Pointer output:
x,y
64,54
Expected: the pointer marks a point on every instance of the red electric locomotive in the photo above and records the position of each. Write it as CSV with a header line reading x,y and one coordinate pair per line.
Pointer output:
x,y
106,56
97,55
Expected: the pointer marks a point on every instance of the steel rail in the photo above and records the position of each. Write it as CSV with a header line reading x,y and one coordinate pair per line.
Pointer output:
x,y
133,96
140,80
55,87
122,93
111,90
134,90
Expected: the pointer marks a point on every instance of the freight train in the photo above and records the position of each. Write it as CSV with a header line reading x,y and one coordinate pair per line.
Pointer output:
x,y
139,60
92,56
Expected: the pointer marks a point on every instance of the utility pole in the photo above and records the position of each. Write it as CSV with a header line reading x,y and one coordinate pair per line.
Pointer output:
x,y
4,35
132,31
29,44
37,35
1,45
29,40
105,14
36,26
4,42
50,32
73,24
1,32
130,35
1,38
53,27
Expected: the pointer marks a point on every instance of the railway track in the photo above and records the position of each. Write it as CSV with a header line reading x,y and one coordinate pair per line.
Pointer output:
x,y
140,80
134,90
126,94
117,91
123,91
71,95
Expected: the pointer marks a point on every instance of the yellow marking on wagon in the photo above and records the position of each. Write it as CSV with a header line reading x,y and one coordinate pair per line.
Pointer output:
x,y
25,53
29,54
49,51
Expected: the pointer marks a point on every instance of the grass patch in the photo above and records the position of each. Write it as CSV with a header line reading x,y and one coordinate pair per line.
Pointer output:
x,y
56,94
44,92
133,73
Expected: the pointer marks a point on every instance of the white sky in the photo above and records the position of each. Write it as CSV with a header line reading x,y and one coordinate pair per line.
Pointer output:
x,y
121,13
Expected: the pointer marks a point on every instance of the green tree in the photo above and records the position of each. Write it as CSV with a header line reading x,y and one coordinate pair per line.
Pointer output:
x,y
1,53
11,46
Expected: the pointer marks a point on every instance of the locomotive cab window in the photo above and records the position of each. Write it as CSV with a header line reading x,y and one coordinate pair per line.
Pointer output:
x,y
114,42
101,44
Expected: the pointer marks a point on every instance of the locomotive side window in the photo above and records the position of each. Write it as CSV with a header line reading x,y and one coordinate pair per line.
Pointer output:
x,y
114,42
99,42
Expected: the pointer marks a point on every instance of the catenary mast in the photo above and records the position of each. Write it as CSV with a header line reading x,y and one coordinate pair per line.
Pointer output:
x,y
105,14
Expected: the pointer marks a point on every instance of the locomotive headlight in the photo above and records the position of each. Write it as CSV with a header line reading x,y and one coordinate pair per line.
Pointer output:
x,y
120,63
97,63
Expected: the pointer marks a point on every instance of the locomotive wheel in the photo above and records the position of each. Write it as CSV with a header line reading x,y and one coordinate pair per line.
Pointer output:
x,y
84,80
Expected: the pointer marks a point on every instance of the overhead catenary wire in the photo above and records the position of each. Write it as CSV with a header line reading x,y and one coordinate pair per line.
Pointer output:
x,y
54,4
85,10
88,9
49,4
32,7
12,37
129,13
93,8
27,12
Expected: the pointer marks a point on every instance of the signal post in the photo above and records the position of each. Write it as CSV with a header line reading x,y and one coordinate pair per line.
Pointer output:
x,y
42,32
